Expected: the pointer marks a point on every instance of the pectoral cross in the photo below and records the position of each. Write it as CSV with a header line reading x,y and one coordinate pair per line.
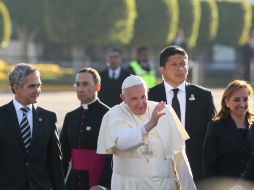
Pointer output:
x,y
147,153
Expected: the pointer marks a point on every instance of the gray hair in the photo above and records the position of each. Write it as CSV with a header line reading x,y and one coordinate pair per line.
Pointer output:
x,y
19,73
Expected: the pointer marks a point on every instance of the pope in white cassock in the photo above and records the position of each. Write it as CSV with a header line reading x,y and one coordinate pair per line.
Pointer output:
x,y
147,141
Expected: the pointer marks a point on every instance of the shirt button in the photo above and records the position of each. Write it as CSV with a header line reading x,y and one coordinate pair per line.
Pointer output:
x,y
27,164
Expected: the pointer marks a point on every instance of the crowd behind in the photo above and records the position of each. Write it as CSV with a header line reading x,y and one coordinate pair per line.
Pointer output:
x,y
128,132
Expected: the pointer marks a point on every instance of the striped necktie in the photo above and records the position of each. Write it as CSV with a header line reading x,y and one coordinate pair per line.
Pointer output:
x,y
25,129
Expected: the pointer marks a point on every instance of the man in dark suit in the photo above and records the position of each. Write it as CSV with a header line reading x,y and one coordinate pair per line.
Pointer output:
x,y
193,104
79,137
112,78
30,155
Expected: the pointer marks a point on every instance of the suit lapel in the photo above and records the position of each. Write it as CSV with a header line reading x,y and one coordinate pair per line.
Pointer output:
x,y
232,129
190,105
161,93
121,74
14,124
250,132
237,134
36,124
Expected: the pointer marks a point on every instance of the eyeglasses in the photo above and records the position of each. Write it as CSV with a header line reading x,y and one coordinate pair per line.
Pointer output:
x,y
176,66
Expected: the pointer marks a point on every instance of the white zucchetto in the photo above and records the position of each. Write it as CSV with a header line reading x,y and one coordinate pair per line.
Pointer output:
x,y
132,80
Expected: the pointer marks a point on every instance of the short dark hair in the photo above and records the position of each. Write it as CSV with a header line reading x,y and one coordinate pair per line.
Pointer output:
x,y
141,49
114,49
169,51
94,72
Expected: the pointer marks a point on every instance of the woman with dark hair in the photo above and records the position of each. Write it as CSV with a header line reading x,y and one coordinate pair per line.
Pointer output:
x,y
228,139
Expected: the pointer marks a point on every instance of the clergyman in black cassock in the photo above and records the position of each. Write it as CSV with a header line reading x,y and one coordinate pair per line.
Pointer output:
x,y
79,137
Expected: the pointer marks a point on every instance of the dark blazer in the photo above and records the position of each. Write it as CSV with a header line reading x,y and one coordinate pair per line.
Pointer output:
x,y
226,151
199,111
41,168
248,173
69,140
111,88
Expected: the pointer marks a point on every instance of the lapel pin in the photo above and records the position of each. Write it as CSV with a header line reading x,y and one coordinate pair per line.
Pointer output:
x,y
192,97
88,128
40,119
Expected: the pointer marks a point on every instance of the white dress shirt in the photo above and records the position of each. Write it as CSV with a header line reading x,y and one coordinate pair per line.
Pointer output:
x,y
116,72
181,95
19,113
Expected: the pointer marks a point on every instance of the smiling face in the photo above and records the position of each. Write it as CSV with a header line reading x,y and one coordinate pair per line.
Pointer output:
x,y
29,92
175,70
136,99
238,103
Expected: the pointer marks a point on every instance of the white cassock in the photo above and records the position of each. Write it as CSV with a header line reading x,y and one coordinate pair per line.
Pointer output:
x,y
156,161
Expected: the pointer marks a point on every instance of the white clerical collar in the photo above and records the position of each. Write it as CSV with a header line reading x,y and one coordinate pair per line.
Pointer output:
x,y
85,106
168,87
18,105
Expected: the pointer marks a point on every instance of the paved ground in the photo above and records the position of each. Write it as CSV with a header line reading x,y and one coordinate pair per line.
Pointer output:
x,y
62,102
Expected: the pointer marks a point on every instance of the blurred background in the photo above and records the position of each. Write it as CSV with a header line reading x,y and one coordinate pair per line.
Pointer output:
x,y
61,36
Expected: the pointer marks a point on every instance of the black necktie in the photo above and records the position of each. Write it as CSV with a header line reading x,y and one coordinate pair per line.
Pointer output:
x,y
113,76
176,104
25,129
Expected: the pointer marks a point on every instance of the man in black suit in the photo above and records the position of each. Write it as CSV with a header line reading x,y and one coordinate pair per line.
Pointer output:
x,y
79,137
193,104
112,78
30,155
